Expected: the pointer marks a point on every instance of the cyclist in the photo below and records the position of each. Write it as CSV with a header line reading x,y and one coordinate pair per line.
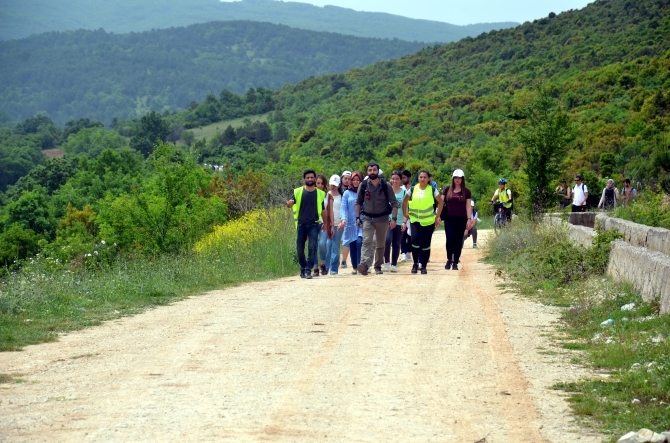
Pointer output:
x,y
504,197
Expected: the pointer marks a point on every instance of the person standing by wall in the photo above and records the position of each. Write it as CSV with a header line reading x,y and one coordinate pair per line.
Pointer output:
x,y
335,239
352,236
308,208
580,193
457,216
627,192
374,202
563,190
610,197
419,208
394,236
345,183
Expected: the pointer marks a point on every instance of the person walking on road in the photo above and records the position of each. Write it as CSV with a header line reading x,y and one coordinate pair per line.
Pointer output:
x,y
419,208
580,193
345,183
406,242
473,231
335,239
394,236
325,228
308,208
352,236
457,216
374,202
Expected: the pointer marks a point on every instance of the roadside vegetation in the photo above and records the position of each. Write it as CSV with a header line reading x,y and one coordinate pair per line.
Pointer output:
x,y
631,356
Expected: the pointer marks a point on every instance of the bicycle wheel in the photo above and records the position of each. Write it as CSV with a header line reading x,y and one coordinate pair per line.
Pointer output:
x,y
497,224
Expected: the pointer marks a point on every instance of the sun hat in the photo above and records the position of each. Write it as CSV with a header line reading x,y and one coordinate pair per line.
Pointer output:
x,y
346,174
458,173
335,180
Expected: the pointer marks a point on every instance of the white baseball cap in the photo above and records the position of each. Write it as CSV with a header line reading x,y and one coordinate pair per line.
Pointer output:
x,y
458,173
335,180
346,174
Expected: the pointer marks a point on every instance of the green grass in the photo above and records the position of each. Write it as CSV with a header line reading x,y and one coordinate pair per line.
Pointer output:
x,y
634,352
209,131
45,299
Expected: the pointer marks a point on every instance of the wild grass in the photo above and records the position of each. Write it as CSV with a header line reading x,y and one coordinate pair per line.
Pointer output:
x,y
632,354
209,131
46,298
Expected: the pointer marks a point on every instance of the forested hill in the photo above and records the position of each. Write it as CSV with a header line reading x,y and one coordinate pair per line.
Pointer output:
x,y
101,75
23,18
459,105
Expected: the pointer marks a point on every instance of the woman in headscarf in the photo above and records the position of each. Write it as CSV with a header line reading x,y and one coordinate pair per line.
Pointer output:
x,y
352,235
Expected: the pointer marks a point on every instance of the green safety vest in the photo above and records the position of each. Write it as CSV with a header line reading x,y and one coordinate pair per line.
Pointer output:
x,y
421,208
297,194
504,198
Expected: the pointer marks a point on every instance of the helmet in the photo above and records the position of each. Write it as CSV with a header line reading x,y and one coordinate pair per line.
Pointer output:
x,y
458,173
502,181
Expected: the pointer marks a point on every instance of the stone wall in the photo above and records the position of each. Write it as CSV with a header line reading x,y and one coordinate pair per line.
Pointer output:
x,y
581,235
654,239
648,271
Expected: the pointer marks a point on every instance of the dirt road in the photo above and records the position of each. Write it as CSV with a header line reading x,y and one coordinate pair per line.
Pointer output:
x,y
443,357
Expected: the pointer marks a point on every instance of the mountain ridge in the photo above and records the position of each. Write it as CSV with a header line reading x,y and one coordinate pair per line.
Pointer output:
x,y
22,19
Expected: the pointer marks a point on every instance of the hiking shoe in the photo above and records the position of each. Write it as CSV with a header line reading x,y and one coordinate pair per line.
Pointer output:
x,y
448,265
333,273
394,268
324,271
386,267
363,269
455,267
379,271
424,270
415,268
354,272
343,264
316,272
302,273
474,246
408,256
308,274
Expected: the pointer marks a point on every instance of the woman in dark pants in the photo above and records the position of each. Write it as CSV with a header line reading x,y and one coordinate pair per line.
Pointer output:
x,y
394,236
457,216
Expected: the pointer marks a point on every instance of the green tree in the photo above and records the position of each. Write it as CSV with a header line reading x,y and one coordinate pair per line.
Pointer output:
x,y
607,164
152,130
544,139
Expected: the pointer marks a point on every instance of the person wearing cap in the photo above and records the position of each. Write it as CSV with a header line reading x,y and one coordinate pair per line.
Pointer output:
x,y
406,242
344,186
457,216
473,231
419,208
335,238
503,196
374,202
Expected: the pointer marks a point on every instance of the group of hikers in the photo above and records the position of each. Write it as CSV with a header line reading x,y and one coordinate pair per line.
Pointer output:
x,y
579,194
377,222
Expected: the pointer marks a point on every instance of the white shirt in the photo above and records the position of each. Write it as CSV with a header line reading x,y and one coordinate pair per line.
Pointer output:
x,y
578,192
337,204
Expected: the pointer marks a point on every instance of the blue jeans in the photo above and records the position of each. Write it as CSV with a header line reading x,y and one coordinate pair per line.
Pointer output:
x,y
333,251
323,246
355,251
307,233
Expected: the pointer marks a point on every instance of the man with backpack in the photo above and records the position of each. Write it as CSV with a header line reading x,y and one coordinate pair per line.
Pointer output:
x,y
580,193
374,202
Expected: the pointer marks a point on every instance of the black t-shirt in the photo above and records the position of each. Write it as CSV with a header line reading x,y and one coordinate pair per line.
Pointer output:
x,y
308,212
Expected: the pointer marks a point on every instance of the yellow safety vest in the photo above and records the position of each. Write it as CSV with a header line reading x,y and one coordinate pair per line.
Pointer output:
x,y
297,194
504,198
421,207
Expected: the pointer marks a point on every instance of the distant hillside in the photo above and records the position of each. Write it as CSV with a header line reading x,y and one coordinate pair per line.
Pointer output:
x,y
23,18
99,75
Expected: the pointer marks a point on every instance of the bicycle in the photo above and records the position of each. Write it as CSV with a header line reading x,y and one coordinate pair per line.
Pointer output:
x,y
500,218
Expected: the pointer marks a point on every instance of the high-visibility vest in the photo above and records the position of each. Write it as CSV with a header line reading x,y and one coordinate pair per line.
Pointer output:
x,y
421,207
504,198
297,194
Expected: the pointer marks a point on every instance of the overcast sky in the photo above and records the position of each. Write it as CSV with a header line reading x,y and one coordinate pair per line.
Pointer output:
x,y
461,12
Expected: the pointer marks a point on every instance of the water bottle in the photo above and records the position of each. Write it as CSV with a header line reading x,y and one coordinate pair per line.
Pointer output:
x,y
607,322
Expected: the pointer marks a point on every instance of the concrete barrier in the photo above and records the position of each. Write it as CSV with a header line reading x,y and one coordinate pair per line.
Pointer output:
x,y
648,271
654,239
581,235
587,219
